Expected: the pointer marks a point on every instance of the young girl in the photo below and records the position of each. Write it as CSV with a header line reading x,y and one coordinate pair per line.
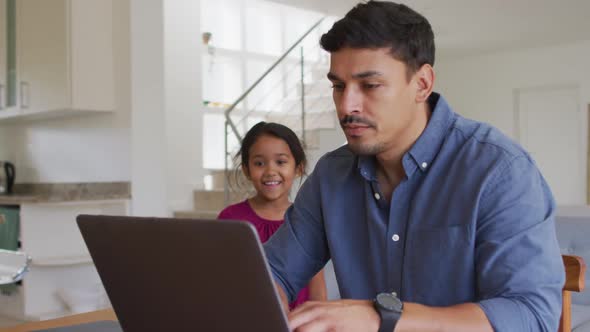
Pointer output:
x,y
271,158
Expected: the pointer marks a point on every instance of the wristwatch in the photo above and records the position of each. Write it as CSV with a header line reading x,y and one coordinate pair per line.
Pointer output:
x,y
390,308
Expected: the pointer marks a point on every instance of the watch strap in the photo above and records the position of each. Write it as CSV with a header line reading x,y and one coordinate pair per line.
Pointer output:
x,y
388,319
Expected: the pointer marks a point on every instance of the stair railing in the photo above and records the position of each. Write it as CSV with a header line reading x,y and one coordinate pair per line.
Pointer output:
x,y
231,127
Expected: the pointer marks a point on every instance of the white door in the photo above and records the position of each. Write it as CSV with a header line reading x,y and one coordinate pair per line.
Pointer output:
x,y
551,127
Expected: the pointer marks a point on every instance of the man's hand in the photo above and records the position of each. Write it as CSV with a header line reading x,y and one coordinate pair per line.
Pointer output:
x,y
341,315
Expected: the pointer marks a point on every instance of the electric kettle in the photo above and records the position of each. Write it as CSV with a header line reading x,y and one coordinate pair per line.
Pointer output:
x,y
6,177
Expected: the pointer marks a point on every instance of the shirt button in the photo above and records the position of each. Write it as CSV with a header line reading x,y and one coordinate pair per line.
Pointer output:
x,y
377,196
424,164
395,237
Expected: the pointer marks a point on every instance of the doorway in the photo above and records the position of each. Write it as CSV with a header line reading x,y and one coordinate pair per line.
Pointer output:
x,y
550,125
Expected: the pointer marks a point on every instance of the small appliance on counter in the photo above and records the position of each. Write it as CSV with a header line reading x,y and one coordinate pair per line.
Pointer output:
x,y
7,175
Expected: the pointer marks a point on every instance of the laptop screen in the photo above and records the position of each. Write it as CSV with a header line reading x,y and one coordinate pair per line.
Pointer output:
x,y
164,274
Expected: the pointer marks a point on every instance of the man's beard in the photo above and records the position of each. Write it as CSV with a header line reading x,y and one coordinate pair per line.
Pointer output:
x,y
357,147
364,149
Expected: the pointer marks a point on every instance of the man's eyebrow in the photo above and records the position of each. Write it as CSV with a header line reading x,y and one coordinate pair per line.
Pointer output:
x,y
333,77
365,74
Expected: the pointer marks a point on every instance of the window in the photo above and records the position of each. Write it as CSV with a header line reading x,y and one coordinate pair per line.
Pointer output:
x,y
223,18
221,78
247,37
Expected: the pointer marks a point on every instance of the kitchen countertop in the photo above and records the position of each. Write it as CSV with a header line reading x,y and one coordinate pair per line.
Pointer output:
x,y
66,192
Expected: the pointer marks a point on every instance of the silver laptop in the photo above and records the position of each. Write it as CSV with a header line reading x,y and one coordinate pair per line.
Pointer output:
x,y
165,274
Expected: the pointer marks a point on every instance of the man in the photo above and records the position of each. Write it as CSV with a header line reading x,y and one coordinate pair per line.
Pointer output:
x,y
433,222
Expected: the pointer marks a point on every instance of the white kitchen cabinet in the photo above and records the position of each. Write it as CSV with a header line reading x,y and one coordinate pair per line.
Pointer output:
x,y
7,57
64,56
3,53
60,261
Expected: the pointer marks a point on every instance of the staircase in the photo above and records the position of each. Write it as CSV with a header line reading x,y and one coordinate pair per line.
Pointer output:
x,y
301,100
208,203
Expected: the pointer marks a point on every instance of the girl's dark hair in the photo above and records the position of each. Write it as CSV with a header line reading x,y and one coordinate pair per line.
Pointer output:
x,y
378,24
276,130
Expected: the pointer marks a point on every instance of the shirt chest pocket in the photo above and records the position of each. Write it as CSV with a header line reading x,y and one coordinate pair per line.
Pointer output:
x,y
439,265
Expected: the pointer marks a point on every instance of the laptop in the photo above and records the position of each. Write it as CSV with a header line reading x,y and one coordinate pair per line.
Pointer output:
x,y
164,274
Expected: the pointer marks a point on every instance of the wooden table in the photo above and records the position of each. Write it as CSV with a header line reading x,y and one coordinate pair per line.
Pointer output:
x,y
106,314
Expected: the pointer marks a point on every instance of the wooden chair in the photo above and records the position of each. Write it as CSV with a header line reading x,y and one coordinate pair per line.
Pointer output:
x,y
575,271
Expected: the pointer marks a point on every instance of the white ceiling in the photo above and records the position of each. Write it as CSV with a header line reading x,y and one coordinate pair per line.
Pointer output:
x,y
467,27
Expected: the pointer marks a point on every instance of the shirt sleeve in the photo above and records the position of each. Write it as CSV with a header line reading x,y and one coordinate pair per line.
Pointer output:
x,y
298,250
519,266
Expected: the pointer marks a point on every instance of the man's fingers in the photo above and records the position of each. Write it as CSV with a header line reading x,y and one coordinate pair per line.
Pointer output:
x,y
303,307
313,326
304,314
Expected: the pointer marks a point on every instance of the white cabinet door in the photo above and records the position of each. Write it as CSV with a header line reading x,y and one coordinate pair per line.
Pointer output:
x,y
65,55
3,53
91,53
61,264
42,57
8,74
50,235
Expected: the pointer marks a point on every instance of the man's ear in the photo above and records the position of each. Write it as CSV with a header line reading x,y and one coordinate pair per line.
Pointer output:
x,y
424,78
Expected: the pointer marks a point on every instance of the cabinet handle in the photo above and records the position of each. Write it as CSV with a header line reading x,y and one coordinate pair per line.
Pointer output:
x,y
2,219
2,98
24,95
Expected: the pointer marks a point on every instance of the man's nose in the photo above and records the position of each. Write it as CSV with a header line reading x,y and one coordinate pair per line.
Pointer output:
x,y
350,100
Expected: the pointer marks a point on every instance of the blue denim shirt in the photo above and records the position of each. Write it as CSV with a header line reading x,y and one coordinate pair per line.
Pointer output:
x,y
472,221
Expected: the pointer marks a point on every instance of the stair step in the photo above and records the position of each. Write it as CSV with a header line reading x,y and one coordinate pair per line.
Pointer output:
x,y
194,214
218,178
215,199
209,199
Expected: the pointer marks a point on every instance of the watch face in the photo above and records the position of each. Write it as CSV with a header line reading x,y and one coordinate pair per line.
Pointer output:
x,y
389,301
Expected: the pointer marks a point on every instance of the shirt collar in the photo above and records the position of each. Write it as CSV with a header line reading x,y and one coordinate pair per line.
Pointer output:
x,y
366,165
423,152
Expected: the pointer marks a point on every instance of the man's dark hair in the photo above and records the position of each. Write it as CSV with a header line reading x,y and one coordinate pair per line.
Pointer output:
x,y
378,24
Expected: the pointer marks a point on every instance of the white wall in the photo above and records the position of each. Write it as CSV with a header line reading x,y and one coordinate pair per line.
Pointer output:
x,y
483,87
184,125
7,141
166,113
81,149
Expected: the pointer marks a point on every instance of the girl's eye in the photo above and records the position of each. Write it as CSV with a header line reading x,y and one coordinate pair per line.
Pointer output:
x,y
281,162
258,163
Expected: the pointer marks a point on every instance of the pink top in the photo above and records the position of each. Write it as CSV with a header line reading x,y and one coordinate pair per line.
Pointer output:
x,y
266,228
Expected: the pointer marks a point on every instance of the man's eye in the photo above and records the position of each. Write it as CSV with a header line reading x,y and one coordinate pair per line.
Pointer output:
x,y
338,87
372,85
